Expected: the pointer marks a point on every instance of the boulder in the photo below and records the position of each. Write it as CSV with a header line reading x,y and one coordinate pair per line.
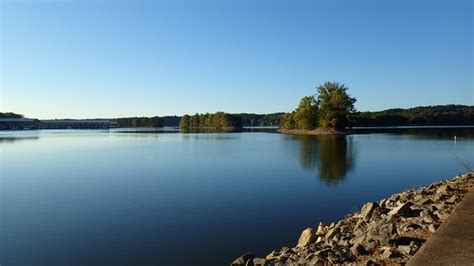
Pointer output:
x,y
307,236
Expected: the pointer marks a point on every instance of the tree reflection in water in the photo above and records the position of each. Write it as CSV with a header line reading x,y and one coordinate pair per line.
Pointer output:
x,y
331,156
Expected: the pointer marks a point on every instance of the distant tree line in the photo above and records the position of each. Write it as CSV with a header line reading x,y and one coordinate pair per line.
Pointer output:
x,y
10,115
154,121
219,120
330,108
440,115
253,120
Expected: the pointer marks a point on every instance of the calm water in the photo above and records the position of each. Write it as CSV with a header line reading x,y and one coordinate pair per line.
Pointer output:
x,y
165,198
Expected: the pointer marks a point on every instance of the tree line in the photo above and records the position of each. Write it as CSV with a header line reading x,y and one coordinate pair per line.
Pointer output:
x,y
330,108
154,121
440,115
10,115
219,120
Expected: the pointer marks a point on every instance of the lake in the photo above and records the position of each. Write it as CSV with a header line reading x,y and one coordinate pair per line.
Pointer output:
x,y
147,197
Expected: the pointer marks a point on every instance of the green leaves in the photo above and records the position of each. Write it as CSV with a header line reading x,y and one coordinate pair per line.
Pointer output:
x,y
329,108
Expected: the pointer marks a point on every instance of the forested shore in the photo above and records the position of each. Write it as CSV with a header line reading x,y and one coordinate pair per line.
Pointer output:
x,y
438,115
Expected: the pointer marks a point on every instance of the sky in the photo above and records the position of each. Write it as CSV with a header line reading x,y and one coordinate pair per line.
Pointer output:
x,y
90,59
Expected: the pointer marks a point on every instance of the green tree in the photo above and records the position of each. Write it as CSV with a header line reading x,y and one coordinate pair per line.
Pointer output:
x,y
288,121
306,115
184,122
335,105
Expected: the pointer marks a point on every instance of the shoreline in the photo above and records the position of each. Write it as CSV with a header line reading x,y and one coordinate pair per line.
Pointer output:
x,y
389,231
317,131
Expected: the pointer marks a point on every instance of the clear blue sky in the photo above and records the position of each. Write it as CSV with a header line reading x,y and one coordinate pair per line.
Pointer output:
x,y
83,59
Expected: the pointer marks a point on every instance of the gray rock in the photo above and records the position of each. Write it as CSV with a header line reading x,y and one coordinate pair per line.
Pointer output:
x,y
242,260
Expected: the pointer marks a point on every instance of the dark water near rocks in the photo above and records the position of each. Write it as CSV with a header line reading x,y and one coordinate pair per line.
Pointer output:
x,y
165,198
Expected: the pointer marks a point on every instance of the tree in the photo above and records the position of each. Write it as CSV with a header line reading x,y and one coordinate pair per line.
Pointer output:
x,y
335,105
184,122
306,115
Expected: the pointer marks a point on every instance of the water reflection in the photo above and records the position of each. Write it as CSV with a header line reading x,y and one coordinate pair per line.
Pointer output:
x,y
16,139
332,157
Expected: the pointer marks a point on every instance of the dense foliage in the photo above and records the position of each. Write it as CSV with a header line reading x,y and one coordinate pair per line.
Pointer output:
x,y
440,115
219,120
10,115
253,120
330,108
139,122
171,121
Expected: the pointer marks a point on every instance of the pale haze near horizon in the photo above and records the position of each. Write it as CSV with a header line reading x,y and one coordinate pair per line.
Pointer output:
x,y
92,59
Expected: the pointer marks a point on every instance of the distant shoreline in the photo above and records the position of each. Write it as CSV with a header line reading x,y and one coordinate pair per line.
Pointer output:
x,y
317,131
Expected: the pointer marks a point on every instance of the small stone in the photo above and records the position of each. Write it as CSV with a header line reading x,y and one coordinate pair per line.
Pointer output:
x,y
405,249
388,253
307,236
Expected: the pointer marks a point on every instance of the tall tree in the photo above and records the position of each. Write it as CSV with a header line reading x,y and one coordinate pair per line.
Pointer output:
x,y
335,105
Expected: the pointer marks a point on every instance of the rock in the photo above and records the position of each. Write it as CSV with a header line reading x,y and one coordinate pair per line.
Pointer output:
x,y
424,201
432,228
444,189
402,209
358,250
368,209
332,233
451,200
369,246
286,250
371,263
382,232
322,229
242,260
405,249
388,253
307,236
272,255
428,216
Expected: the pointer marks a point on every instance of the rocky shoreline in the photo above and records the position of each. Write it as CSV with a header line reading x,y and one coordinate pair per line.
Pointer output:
x,y
389,231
